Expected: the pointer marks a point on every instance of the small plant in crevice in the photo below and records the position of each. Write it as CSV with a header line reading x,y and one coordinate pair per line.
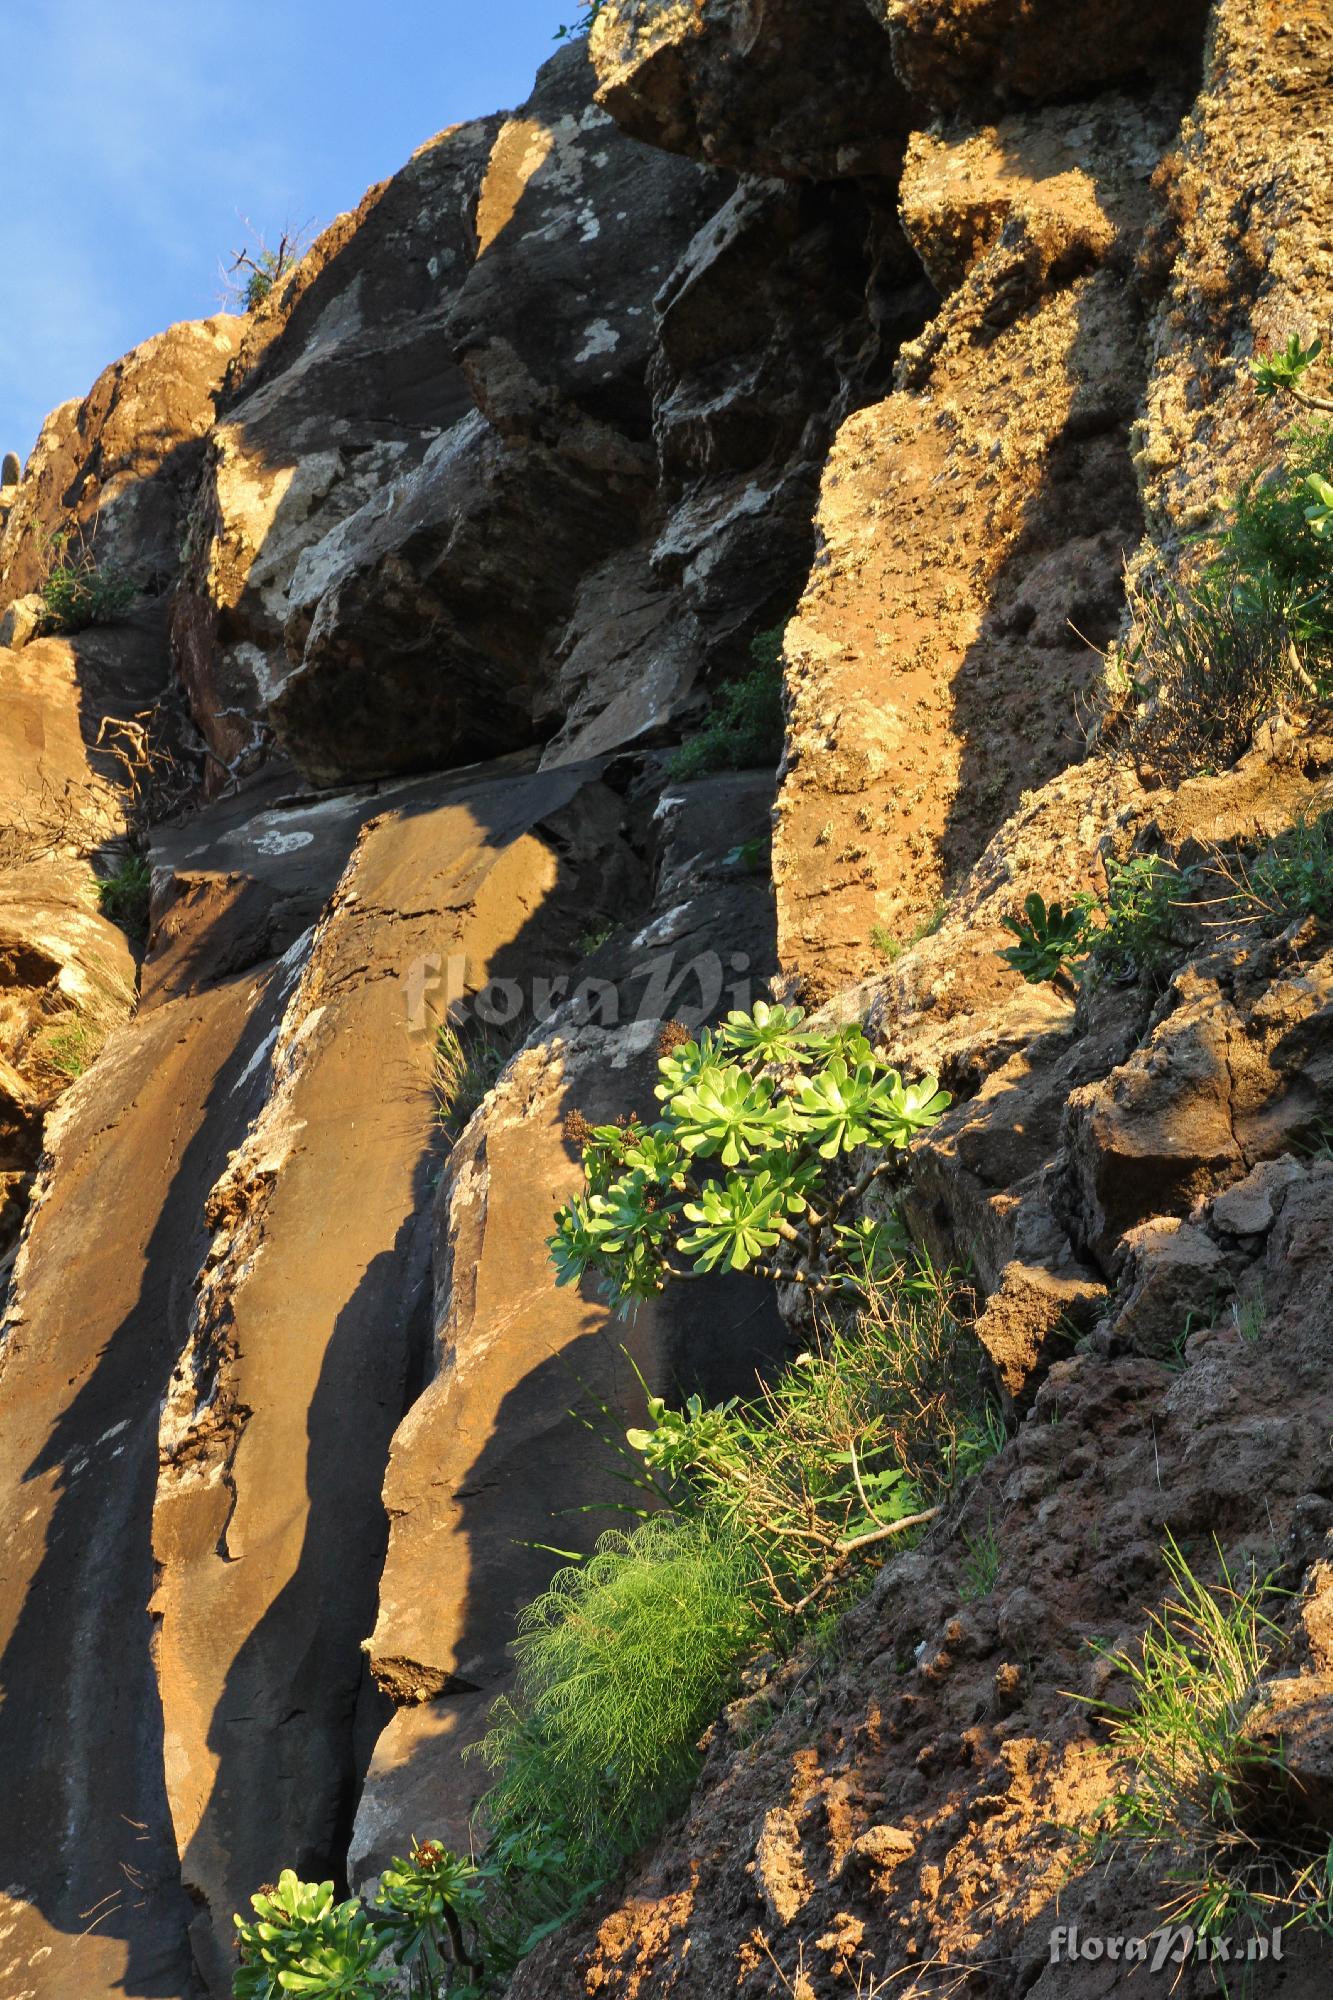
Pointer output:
x,y
430,1906
574,29
302,1941
125,896
595,936
257,268
1283,372
1292,877
1051,938
76,590
1249,1316
894,947
751,857
1207,1806
739,1172
745,728
466,1063
1135,931
1140,934
980,1566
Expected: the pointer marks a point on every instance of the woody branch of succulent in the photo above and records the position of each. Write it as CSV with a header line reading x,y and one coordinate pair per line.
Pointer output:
x,y
740,1171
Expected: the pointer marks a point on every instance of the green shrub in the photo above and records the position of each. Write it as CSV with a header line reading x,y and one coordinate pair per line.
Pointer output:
x,y
125,896
853,1445
776,1512
78,591
1203,1802
1294,874
620,1665
259,284
1141,933
1274,553
736,1174
255,269
745,728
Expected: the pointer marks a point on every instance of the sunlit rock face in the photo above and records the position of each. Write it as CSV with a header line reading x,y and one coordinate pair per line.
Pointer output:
x,y
117,470
344,380
408,456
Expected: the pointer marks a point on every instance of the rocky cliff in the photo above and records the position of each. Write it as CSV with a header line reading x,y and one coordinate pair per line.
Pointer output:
x,y
883,335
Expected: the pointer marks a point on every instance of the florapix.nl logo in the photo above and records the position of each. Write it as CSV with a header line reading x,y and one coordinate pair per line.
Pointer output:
x,y
1166,1950
662,986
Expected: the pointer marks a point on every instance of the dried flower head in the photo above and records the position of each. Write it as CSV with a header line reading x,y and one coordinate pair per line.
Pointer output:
x,y
674,1036
577,1130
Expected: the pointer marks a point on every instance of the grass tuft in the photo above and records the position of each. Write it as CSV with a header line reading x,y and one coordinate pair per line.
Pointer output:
x,y
71,1047
981,1565
465,1065
893,948
125,896
1205,1805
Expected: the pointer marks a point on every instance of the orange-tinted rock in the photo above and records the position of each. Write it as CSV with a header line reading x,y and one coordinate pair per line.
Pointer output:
x,y
118,469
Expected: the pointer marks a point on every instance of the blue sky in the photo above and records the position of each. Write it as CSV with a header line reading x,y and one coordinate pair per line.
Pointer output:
x,y
138,133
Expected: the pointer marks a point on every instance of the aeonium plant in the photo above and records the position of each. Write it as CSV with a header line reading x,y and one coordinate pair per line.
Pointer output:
x,y
302,1941
739,1171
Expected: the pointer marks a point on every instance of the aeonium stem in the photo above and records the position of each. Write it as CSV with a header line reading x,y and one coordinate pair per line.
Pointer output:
x,y
816,1286
861,1187
1303,396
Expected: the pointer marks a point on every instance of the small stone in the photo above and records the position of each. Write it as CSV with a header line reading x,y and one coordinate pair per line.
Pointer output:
x,y
1250,1208
21,621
